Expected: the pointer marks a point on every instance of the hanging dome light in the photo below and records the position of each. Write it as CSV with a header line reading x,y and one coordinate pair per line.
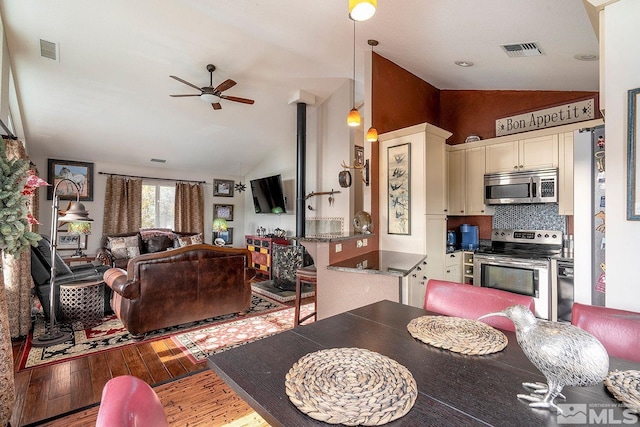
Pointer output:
x,y
372,133
361,10
353,119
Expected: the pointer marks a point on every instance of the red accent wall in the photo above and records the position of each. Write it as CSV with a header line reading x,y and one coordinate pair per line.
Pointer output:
x,y
474,112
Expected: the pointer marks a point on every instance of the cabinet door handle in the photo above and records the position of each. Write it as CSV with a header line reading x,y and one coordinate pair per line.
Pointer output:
x,y
418,268
516,167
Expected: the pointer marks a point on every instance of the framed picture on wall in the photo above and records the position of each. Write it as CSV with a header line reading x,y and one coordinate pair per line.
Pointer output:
x,y
399,190
359,156
72,176
223,211
68,241
223,188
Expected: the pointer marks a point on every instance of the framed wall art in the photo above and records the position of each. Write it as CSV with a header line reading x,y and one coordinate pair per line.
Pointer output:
x,y
222,188
359,156
64,171
68,241
399,189
633,174
223,211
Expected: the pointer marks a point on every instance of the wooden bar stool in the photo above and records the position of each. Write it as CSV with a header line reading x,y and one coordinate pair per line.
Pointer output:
x,y
305,275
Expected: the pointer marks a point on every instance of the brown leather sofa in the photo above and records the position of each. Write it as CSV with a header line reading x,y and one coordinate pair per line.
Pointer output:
x,y
180,285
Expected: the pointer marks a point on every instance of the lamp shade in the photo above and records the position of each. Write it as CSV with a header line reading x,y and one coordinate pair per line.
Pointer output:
x,y
219,225
353,119
361,10
79,227
76,212
372,134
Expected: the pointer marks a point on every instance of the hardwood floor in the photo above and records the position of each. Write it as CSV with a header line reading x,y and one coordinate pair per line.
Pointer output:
x,y
50,391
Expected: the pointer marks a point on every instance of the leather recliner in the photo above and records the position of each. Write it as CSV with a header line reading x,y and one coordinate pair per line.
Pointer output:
x,y
41,274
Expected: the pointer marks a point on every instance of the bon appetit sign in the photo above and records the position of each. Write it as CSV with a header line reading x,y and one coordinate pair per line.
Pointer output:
x,y
549,117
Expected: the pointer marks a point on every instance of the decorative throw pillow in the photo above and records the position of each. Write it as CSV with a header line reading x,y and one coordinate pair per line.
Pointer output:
x,y
158,244
190,240
147,233
122,247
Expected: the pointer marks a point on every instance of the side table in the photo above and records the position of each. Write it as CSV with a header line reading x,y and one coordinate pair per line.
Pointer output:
x,y
83,301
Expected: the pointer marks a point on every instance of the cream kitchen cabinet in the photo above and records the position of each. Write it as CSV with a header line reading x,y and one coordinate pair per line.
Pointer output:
x,y
456,178
565,173
435,175
417,284
466,169
474,182
453,267
525,154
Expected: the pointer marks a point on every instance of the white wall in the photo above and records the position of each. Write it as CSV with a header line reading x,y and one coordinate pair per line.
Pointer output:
x,y
622,72
328,143
96,207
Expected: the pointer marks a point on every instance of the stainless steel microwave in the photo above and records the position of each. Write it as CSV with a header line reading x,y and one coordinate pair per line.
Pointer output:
x,y
535,186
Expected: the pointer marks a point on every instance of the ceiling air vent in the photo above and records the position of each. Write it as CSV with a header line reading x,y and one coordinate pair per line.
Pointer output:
x,y
48,50
159,160
522,49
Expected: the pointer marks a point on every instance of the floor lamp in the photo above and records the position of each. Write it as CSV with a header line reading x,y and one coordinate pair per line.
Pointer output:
x,y
75,213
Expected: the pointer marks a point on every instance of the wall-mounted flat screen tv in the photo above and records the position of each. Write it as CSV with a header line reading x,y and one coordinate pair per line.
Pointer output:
x,y
268,195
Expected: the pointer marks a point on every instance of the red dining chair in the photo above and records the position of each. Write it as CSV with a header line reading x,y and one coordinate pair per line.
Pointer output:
x,y
617,330
128,401
471,302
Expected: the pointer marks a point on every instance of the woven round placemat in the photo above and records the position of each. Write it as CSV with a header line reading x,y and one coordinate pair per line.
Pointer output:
x,y
456,334
625,386
351,386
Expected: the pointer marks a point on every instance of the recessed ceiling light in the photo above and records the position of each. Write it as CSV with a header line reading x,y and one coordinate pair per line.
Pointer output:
x,y
586,57
464,63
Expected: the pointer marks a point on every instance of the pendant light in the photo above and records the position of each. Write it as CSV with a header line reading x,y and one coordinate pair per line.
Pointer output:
x,y
361,10
372,133
353,119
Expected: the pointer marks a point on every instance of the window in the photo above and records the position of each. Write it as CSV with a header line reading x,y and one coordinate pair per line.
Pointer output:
x,y
157,205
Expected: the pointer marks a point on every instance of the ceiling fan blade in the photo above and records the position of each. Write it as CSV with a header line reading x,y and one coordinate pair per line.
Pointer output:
x,y
175,96
236,99
227,84
216,106
186,82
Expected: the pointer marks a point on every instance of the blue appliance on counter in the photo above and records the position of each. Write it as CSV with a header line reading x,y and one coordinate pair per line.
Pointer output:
x,y
469,237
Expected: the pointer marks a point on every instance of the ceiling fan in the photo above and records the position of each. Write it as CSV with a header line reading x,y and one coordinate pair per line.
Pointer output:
x,y
213,95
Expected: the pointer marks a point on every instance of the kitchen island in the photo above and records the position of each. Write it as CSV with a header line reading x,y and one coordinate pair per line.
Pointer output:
x,y
352,272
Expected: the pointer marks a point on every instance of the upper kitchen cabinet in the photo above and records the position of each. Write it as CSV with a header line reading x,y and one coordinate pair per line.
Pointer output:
x,y
466,169
524,154
435,175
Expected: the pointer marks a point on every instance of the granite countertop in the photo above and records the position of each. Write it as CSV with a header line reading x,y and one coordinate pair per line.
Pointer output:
x,y
380,262
332,237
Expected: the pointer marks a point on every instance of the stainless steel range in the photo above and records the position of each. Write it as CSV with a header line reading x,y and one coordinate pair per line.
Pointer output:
x,y
520,261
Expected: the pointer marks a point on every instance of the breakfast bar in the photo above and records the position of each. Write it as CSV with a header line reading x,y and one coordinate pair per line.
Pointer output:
x,y
453,389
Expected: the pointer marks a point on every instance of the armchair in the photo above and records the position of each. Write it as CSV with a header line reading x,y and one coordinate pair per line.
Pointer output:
x,y
41,274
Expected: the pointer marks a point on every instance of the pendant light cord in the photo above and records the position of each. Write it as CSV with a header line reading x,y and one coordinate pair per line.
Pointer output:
x,y
354,64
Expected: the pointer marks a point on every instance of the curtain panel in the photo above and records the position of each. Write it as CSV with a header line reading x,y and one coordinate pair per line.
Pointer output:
x,y
122,205
189,208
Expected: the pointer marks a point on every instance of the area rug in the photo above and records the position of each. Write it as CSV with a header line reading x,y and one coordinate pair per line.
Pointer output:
x,y
111,334
199,344
269,290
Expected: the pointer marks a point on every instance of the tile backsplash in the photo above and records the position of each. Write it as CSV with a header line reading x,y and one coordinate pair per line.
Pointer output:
x,y
542,216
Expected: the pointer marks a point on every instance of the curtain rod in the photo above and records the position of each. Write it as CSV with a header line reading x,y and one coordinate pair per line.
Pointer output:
x,y
150,177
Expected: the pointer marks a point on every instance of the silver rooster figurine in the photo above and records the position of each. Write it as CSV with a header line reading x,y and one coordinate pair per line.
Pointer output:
x,y
566,355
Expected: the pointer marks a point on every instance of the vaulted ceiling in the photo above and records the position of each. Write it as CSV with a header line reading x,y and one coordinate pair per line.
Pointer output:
x,y
106,96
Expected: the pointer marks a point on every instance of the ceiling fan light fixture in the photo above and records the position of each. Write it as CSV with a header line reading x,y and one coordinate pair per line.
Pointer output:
x,y
372,134
353,119
361,10
209,98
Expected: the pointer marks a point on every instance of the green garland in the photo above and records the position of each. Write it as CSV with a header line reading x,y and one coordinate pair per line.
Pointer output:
x,y
15,236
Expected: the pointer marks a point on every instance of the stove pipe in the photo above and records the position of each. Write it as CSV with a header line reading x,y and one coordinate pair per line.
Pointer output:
x,y
301,167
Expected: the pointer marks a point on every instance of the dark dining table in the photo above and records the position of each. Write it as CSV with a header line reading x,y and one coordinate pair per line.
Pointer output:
x,y
453,389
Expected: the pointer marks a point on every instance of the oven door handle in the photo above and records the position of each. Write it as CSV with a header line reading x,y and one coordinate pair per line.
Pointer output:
x,y
506,261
